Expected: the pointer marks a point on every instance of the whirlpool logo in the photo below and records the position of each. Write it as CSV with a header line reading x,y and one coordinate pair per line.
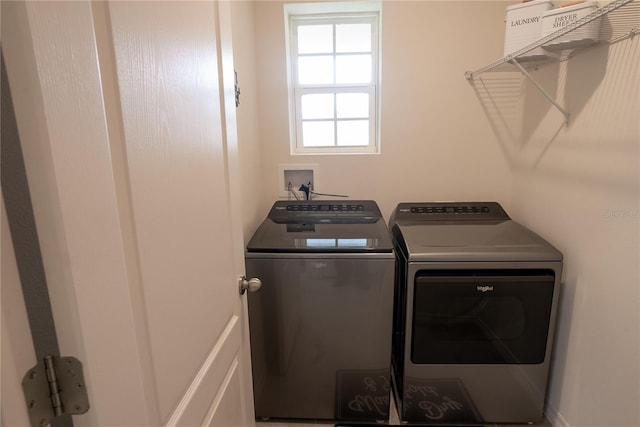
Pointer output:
x,y
484,288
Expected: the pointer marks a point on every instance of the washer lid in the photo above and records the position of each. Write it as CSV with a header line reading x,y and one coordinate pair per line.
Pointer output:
x,y
322,227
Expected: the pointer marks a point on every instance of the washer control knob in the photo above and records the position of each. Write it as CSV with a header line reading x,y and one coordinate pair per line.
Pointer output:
x,y
252,285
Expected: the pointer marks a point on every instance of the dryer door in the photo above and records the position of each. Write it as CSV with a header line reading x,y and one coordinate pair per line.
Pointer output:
x,y
481,316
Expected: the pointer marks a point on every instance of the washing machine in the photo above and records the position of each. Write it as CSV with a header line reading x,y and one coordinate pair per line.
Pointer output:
x,y
321,324
474,318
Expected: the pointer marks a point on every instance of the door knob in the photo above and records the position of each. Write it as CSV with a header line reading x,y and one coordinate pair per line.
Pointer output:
x,y
252,285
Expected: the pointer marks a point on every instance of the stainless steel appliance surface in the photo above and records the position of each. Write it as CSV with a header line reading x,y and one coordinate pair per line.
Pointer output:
x,y
321,324
474,317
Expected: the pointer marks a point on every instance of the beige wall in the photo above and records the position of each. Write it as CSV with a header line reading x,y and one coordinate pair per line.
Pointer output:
x,y
255,202
435,142
578,186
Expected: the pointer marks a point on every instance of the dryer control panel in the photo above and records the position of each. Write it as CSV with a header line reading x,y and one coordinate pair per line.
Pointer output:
x,y
450,211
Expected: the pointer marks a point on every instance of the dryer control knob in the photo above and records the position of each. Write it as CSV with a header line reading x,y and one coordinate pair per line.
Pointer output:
x,y
252,285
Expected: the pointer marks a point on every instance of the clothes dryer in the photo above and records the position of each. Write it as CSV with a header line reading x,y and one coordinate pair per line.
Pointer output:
x,y
475,309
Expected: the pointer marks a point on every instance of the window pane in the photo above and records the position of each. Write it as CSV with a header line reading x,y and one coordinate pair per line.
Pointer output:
x,y
353,69
353,38
353,132
318,134
352,105
315,39
315,70
318,106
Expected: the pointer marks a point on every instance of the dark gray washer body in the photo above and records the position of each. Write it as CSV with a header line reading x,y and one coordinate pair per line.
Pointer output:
x,y
434,238
320,326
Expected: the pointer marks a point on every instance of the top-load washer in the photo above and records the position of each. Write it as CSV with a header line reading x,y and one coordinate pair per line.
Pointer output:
x,y
320,325
475,310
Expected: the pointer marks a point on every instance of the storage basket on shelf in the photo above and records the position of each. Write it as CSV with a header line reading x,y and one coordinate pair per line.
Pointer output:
x,y
557,19
524,26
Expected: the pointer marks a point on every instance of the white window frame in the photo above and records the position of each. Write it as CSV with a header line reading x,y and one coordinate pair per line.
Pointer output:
x,y
332,13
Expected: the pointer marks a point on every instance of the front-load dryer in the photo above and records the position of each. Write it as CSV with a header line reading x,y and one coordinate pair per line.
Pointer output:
x,y
474,316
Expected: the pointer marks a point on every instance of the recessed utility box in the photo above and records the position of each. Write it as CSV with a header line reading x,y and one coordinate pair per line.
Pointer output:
x,y
292,176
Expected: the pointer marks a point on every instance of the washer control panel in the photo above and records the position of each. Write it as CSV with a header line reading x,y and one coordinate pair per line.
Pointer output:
x,y
324,208
326,211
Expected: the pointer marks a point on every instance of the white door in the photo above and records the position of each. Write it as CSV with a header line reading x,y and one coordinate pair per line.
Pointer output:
x,y
126,117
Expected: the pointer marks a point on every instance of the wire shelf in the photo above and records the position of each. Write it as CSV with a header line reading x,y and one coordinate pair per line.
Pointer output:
x,y
619,20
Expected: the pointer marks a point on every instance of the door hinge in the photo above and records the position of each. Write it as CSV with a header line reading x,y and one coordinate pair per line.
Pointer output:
x,y
55,387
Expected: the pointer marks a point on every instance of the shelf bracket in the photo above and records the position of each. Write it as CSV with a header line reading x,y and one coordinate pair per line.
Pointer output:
x,y
564,112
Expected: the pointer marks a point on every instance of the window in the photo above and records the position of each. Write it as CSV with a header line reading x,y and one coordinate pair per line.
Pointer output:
x,y
333,54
